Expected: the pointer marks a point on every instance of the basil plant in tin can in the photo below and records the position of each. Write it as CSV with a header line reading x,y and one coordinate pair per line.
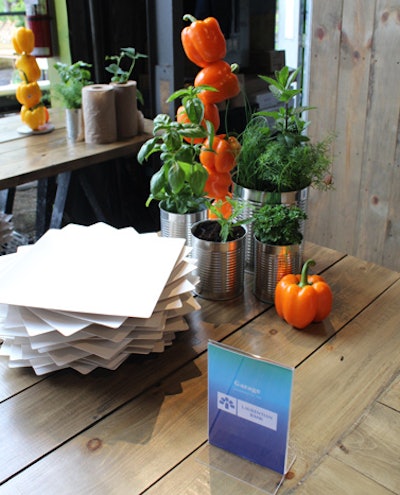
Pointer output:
x,y
179,183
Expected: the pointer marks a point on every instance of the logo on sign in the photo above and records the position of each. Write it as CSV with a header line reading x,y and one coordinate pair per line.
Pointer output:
x,y
247,411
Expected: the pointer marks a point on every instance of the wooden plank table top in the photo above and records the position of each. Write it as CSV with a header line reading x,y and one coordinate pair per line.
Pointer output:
x,y
24,158
143,428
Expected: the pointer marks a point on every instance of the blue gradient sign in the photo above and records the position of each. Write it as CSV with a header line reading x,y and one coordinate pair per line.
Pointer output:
x,y
249,403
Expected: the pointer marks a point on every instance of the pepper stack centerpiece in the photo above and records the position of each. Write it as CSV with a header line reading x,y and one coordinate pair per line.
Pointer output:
x,y
33,113
204,45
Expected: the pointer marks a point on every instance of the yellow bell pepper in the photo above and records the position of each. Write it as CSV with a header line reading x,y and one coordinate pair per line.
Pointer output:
x,y
23,40
34,117
28,68
28,94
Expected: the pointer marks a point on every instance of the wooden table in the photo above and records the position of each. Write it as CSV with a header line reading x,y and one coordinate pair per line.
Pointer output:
x,y
25,158
142,428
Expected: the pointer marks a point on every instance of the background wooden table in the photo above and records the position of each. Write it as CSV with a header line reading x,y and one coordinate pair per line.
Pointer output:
x,y
26,158
141,428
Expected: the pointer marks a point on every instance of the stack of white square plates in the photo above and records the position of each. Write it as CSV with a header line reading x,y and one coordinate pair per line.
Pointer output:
x,y
88,297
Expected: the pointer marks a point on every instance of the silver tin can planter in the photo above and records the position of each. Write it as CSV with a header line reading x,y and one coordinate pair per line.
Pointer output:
x,y
180,225
220,267
74,124
271,263
255,200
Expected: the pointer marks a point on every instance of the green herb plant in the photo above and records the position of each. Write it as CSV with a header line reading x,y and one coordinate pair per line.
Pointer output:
x,y
276,155
279,224
72,79
121,75
180,181
289,125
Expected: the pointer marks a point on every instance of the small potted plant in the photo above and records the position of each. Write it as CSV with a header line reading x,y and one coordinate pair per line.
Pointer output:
x,y
278,162
126,91
179,184
277,239
73,77
219,248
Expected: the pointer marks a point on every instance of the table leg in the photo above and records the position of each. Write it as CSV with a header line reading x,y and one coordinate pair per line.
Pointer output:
x,y
91,197
51,198
44,195
63,181
7,200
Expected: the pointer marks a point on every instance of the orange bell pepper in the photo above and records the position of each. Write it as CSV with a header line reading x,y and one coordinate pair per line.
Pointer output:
x,y
219,159
303,299
23,40
220,76
222,156
217,185
211,113
28,94
203,41
223,206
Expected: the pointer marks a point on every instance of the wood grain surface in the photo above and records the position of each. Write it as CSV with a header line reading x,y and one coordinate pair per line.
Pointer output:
x,y
143,428
353,86
25,158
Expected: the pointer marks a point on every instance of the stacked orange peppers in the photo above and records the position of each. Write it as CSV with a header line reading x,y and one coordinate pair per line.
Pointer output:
x,y
33,113
204,44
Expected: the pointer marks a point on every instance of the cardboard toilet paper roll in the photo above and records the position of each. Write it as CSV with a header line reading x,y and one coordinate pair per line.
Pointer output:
x,y
99,114
126,108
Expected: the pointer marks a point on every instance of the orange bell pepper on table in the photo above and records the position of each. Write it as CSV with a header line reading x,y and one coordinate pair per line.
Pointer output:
x,y
302,299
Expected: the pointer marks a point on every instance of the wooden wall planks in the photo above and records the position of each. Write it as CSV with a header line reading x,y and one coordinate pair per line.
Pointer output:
x,y
355,69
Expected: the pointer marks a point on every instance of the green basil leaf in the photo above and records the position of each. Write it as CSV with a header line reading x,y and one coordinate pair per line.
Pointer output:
x,y
198,180
195,110
157,182
161,121
172,140
176,177
146,149
192,131
184,155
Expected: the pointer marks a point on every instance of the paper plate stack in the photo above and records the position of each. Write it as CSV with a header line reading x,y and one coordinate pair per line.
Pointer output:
x,y
88,297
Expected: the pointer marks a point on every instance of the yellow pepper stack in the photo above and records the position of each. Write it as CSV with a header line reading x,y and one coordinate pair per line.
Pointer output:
x,y
33,113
